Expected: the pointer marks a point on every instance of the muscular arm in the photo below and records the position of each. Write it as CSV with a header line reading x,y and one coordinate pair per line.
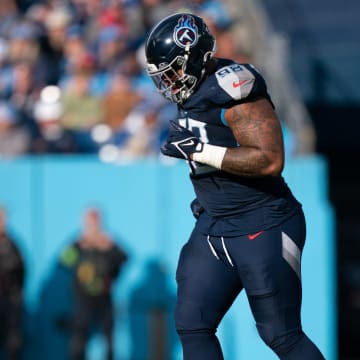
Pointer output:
x,y
257,129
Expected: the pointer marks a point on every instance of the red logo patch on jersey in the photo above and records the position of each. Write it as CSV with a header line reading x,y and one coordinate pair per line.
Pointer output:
x,y
239,83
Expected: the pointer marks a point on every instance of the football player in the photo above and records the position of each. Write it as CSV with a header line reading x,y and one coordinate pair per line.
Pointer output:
x,y
250,229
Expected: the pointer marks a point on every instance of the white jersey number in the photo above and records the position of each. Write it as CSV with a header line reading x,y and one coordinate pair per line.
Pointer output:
x,y
191,124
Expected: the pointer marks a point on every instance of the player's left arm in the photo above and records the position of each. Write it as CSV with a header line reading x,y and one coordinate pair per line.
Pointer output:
x,y
257,129
252,120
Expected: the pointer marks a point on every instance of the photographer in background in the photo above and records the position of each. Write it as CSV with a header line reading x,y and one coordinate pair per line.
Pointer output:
x,y
95,260
11,292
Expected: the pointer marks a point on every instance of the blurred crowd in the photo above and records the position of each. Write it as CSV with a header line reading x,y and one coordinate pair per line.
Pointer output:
x,y
73,80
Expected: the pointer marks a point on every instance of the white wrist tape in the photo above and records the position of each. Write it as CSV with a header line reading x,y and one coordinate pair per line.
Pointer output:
x,y
211,155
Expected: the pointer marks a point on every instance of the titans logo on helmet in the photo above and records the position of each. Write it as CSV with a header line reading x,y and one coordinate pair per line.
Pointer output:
x,y
186,32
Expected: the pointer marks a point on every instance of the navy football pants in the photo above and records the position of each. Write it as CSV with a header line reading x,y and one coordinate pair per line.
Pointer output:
x,y
212,271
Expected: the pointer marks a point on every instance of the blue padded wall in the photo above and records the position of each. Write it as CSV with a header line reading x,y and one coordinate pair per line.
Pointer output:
x,y
146,206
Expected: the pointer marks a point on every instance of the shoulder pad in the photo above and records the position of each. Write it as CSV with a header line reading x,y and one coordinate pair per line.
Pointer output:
x,y
236,80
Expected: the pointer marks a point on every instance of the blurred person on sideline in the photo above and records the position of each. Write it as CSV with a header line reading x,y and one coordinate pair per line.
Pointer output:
x,y
15,140
96,260
12,273
250,229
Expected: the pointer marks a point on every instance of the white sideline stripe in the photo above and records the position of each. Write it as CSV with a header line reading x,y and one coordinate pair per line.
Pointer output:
x,y
291,253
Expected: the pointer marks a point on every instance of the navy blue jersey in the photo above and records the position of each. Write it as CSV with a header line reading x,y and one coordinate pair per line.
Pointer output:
x,y
233,205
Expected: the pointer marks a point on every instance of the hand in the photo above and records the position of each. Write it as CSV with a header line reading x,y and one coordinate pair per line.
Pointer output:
x,y
181,143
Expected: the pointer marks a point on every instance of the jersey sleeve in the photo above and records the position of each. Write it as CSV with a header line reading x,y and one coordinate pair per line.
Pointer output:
x,y
239,83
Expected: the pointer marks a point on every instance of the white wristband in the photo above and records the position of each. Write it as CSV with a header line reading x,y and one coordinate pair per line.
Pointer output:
x,y
211,155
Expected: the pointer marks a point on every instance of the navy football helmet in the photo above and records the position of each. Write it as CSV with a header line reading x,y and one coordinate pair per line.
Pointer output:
x,y
176,52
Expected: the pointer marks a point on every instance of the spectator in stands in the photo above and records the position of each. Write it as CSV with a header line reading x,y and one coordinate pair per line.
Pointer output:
x,y
25,47
8,15
119,100
96,260
5,69
57,21
75,48
227,47
143,124
153,11
50,41
14,138
23,94
53,138
82,106
215,12
12,273
111,47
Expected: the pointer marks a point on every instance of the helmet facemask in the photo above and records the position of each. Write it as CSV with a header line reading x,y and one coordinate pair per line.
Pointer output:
x,y
172,81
